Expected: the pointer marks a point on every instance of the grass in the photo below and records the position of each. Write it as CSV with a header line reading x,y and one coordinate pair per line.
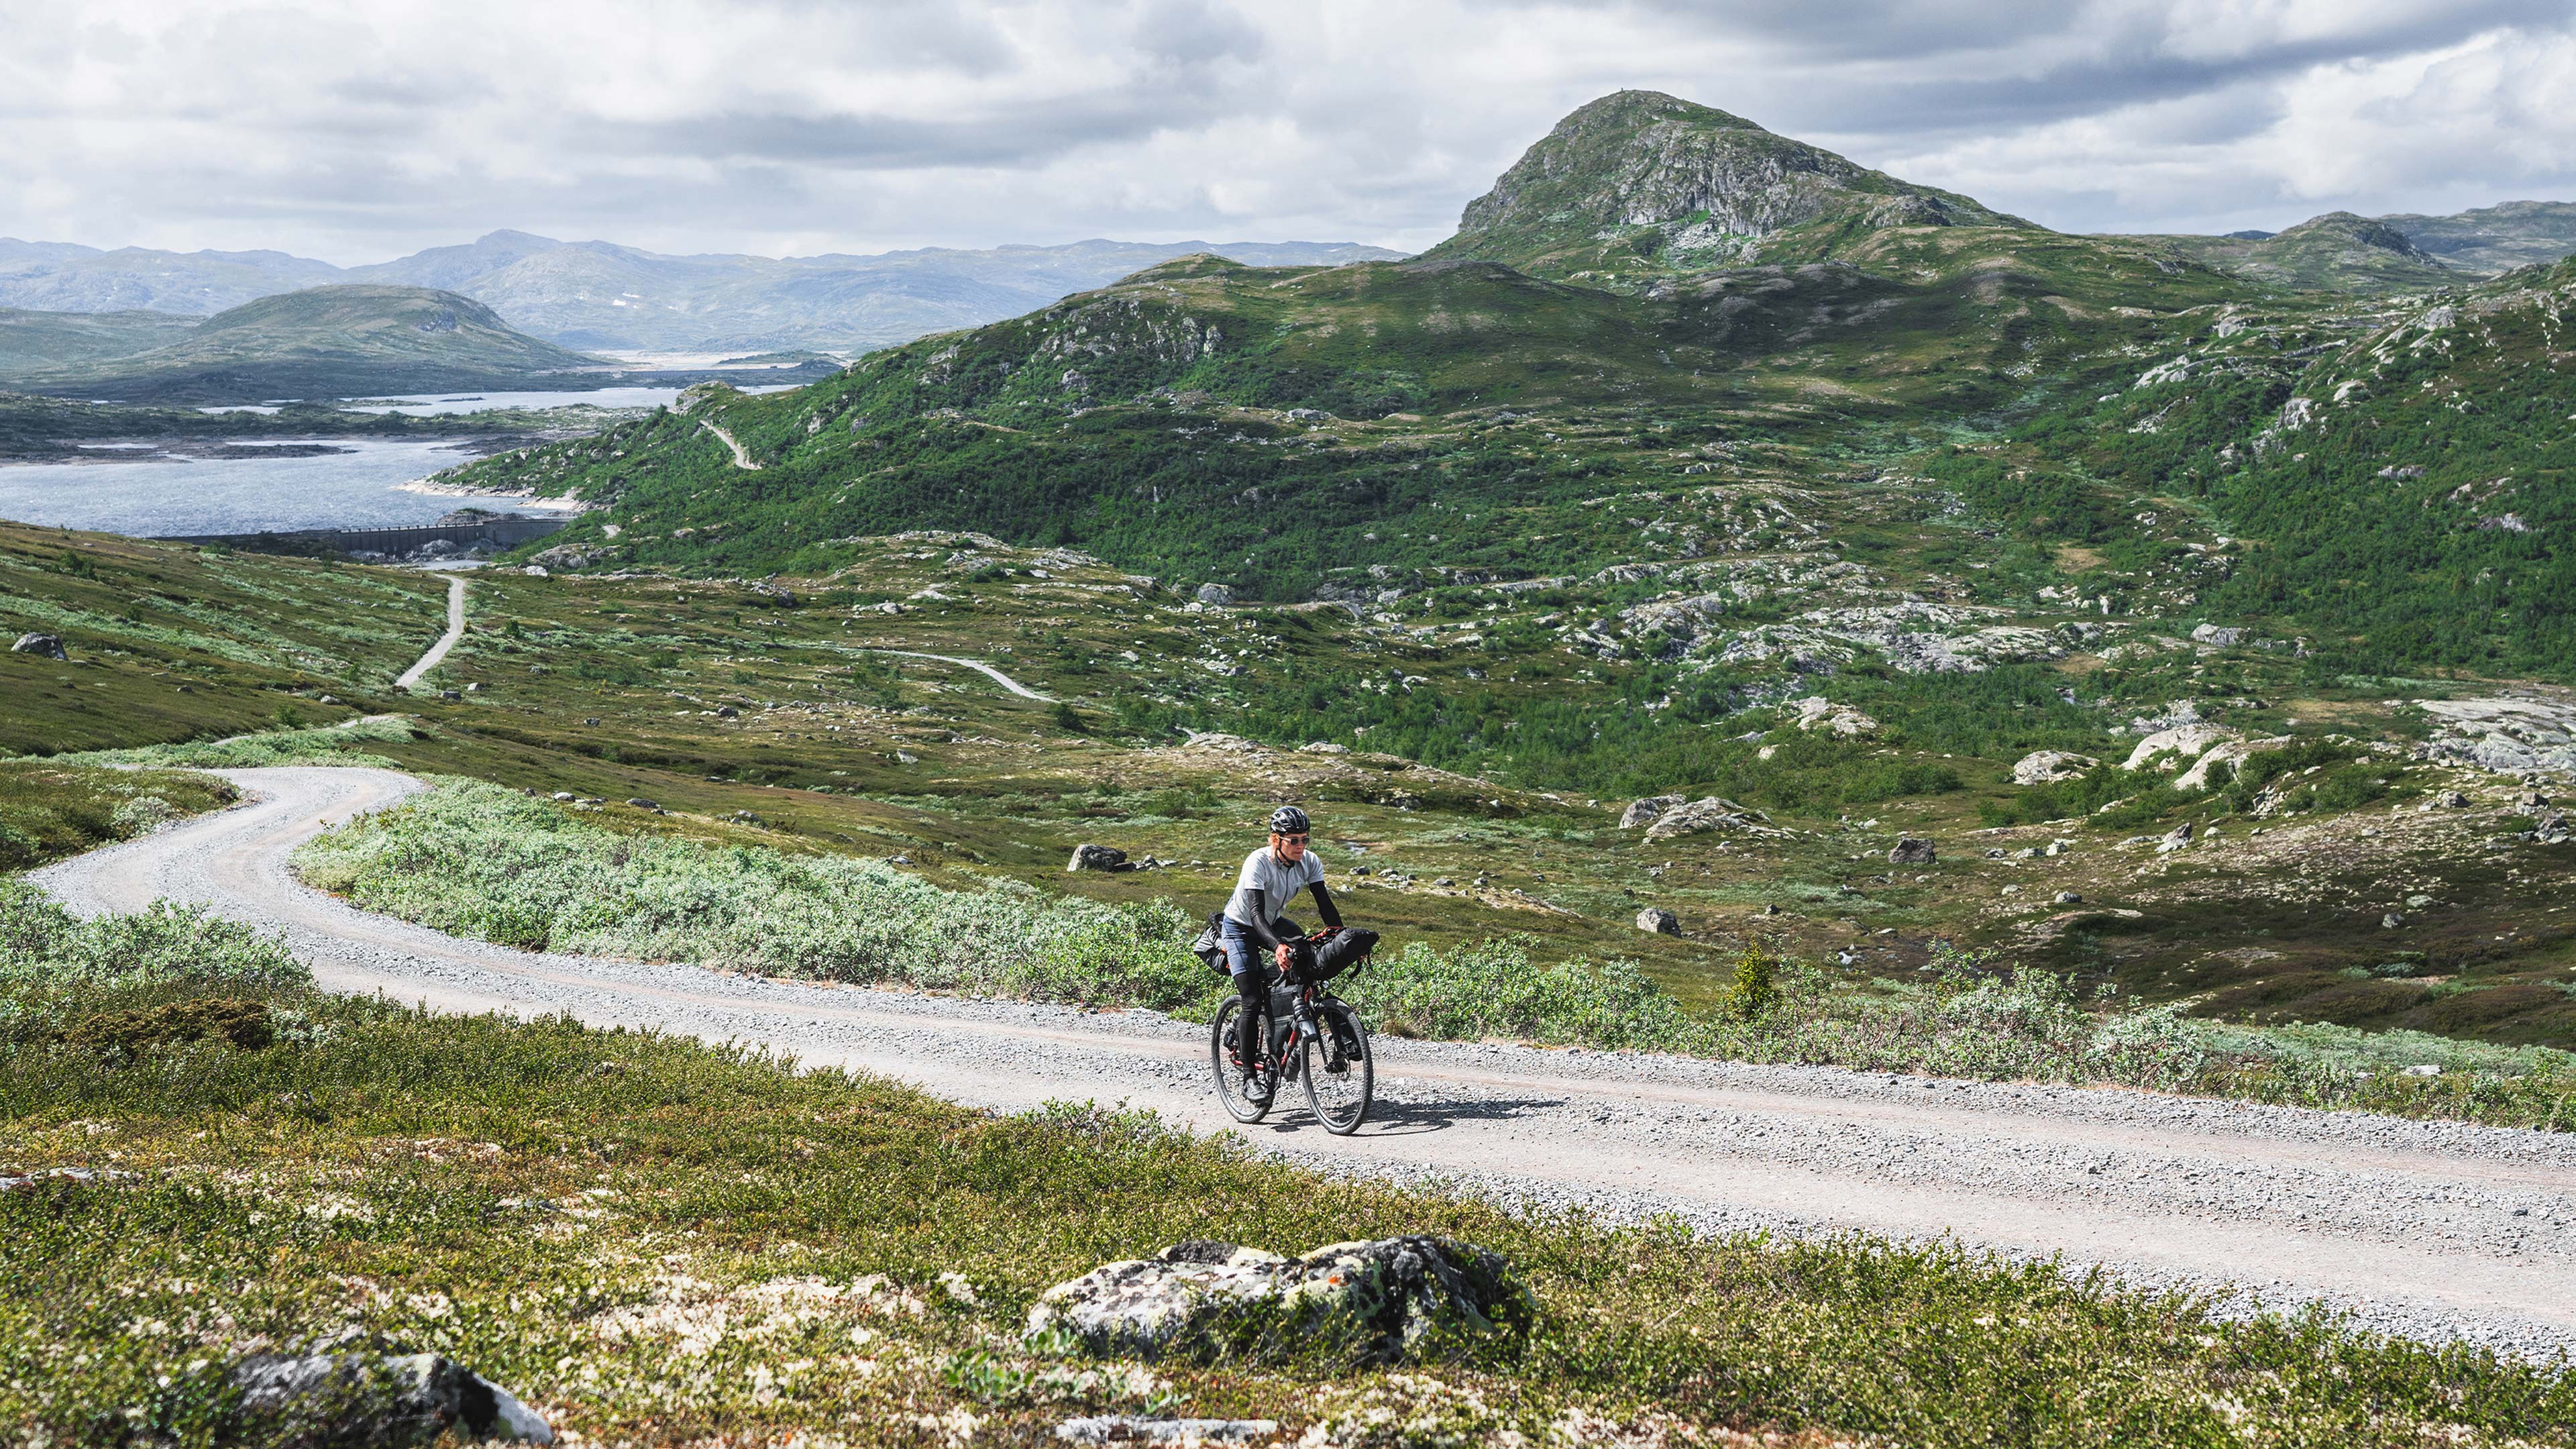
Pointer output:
x,y
52,808
342,744
657,1242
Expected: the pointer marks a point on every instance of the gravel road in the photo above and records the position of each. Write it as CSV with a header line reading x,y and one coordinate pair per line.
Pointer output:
x,y
2432,1229
987,670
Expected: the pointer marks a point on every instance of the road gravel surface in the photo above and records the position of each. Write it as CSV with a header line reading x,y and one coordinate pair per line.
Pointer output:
x,y
2437,1230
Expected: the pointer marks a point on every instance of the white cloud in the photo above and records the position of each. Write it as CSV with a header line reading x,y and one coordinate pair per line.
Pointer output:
x,y
355,131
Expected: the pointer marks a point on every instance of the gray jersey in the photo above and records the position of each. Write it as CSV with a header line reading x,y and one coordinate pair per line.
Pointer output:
x,y
1276,880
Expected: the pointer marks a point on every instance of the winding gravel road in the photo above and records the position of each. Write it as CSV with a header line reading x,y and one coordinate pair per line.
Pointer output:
x,y
2432,1229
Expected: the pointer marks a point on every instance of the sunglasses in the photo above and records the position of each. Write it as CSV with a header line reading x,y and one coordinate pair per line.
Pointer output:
x,y
1292,839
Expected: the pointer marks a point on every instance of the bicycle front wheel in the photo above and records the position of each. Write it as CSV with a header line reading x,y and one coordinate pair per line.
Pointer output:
x,y
1247,1092
1340,1069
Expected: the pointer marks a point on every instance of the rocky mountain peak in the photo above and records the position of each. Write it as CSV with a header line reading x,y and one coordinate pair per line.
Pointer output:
x,y
1640,177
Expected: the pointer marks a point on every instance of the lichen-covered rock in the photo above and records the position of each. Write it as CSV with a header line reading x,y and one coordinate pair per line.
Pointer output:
x,y
1818,713
2047,767
2230,753
369,1399
1096,857
1660,921
2182,744
48,645
1910,851
1648,810
1714,813
1385,1301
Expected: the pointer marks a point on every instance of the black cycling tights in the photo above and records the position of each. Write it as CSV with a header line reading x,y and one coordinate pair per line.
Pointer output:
x,y
1253,1043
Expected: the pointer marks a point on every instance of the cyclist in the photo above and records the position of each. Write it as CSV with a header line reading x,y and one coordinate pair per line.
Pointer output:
x,y
1270,878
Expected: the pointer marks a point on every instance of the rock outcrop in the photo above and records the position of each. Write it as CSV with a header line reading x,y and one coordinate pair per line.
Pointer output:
x,y
1648,811
48,645
2047,767
2180,745
1713,813
365,1398
1383,1302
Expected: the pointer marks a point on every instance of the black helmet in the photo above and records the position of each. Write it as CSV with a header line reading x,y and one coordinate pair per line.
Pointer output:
x,y
1288,820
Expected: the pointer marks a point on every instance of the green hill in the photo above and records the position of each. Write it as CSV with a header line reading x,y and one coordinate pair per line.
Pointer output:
x,y
325,341
2489,241
2336,252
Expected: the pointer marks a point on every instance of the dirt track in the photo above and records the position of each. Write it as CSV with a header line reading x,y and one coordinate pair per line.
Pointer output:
x,y
2426,1228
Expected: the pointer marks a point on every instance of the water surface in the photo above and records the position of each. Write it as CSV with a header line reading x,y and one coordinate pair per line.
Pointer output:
x,y
360,488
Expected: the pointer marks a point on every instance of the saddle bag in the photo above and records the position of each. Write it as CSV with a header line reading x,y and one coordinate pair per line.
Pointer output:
x,y
1210,946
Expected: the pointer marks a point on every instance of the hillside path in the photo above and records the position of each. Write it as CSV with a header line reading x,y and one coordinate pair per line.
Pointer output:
x,y
446,641
980,667
2433,1229
741,459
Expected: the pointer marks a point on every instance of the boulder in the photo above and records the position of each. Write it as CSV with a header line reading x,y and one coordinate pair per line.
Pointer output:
x,y
48,645
1659,921
2175,839
2217,636
2230,753
2185,742
2047,767
1714,813
1819,713
640,803
2451,800
1910,851
367,1398
1378,1302
1648,810
1216,593
1096,857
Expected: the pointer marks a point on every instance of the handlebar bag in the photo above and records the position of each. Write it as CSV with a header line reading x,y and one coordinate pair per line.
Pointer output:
x,y
1340,949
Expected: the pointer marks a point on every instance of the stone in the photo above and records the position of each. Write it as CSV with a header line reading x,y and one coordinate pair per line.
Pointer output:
x,y
2391,921
2217,636
2227,752
48,645
564,795
640,803
726,711
1648,810
2451,800
1095,857
2047,767
1658,921
1216,593
1380,1302
2069,898
451,694
2175,839
1818,713
2184,743
1910,851
365,1398
1136,1429
1714,813
475,688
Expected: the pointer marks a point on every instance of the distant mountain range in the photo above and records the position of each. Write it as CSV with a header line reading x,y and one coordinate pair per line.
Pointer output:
x,y
599,294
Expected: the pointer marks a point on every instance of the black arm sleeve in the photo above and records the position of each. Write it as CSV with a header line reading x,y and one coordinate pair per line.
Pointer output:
x,y
1259,926
1324,904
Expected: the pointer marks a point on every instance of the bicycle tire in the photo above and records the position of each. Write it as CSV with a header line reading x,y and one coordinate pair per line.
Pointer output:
x,y
1351,1089
1247,1096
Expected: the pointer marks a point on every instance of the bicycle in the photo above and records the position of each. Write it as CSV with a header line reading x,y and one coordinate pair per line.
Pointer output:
x,y
1317,1040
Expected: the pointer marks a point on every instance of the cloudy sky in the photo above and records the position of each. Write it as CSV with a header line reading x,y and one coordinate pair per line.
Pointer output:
x,y
358,131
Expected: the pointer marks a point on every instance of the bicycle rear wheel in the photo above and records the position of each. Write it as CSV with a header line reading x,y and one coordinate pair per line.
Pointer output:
x,y
1246,1093
1340,1069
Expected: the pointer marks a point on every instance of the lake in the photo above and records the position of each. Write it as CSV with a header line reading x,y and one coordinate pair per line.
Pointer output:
x,y
361,488
421,407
